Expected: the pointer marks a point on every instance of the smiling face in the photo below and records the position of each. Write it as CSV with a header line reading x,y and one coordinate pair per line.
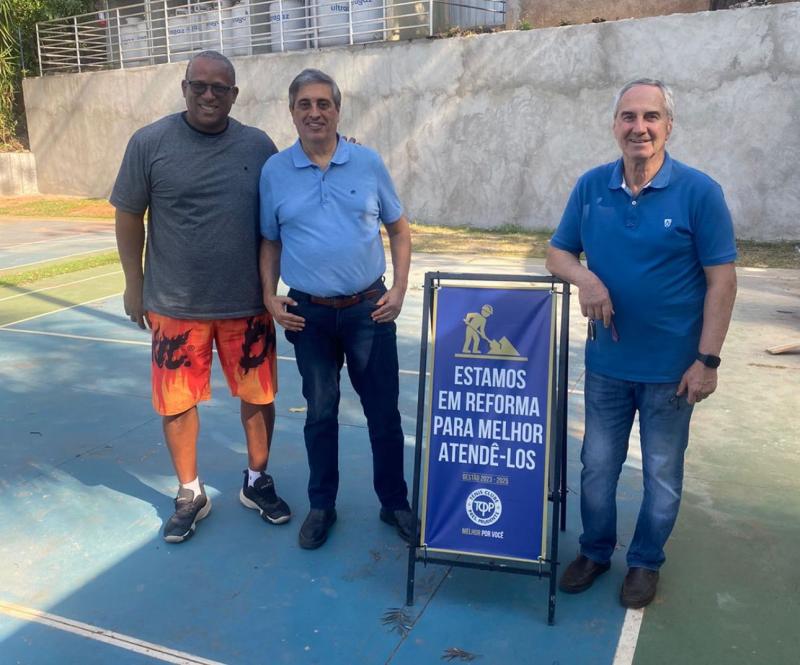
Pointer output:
x,y
642,125
208,112
315,114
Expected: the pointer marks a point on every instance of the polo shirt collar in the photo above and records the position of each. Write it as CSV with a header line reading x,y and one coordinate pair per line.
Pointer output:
x,y
659,181
342,154
300,158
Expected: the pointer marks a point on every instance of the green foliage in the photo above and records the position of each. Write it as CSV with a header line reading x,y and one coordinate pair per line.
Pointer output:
x,y
8,73
18,20
524,24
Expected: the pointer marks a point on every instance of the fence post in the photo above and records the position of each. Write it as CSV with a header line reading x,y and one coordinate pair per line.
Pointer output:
x,y
21,52
166,32
430,18
119,42
77,43
219,16
280,21
350,19
39,50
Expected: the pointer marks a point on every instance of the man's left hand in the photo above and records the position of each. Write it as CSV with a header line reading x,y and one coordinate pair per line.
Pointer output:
x,y
698,382
389,306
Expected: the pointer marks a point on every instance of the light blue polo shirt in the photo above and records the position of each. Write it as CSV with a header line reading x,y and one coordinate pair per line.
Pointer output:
x,y
650,252
328,221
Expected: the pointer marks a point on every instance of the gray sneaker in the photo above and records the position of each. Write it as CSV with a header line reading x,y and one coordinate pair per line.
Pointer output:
x,y
187,514
262,497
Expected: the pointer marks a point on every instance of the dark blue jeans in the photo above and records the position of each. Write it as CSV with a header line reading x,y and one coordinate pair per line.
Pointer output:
x,y
330,336
664,434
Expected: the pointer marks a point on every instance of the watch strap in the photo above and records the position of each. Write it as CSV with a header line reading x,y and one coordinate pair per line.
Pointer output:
x,y
709,360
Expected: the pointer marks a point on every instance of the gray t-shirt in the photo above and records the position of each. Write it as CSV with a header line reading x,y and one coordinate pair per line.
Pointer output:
x,y
201,193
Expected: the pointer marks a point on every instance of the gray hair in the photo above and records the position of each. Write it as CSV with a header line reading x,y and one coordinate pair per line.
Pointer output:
x,y
669,100
308,76
212,55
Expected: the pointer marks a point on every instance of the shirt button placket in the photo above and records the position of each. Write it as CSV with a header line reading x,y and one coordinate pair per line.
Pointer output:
x,y
323,192
631,217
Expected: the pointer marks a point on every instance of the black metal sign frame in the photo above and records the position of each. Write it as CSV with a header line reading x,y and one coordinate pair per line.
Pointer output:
x,y
557,491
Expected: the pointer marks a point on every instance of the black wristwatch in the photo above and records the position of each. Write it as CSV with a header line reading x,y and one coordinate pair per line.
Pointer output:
x,y
712,362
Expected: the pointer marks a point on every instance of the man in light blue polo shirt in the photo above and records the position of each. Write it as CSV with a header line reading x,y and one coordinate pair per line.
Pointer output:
x,y
322,205
658,290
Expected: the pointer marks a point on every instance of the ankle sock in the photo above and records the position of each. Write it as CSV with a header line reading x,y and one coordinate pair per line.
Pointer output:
x,y
252,476
194,485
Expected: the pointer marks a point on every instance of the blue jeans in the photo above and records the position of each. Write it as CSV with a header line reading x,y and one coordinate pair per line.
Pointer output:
x,y
330,336
664,433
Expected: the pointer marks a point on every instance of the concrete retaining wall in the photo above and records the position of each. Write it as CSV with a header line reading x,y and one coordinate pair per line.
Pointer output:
x,y
17,173
491,129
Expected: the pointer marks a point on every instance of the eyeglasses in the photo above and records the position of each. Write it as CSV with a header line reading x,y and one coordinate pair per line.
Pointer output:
x,y
200,87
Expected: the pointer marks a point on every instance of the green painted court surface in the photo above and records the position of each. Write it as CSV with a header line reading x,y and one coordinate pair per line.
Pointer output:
x,y
85,482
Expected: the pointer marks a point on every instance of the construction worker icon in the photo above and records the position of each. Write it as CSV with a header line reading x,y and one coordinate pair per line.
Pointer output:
x,y
476,329
475,333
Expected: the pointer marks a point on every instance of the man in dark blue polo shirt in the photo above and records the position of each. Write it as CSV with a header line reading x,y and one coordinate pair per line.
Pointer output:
x,y
658,289
323,202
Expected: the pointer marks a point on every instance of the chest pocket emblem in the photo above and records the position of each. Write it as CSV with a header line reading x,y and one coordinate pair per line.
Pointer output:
x,y
667,223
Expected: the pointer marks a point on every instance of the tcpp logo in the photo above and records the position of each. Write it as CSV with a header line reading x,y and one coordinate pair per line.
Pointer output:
x,y
667,223
484,507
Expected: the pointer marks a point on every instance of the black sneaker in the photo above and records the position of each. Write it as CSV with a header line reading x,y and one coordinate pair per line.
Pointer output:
x,y
261,497
188,513
314,531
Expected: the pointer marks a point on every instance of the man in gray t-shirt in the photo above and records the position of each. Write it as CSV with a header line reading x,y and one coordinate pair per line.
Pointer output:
x,y
196,176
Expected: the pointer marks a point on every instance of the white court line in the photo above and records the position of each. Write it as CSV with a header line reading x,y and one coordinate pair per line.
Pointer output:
x,y
88,338
58,286
628,637
102,635
61,309
60,258
51,241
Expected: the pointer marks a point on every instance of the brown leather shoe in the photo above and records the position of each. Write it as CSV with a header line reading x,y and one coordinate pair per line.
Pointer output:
x,y
581,574
639,588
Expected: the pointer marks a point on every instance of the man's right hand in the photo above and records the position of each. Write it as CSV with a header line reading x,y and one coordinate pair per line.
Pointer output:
x,y
276,306
594,299
134,309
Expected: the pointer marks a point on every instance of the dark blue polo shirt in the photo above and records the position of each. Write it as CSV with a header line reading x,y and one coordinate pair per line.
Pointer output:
x,y
650,252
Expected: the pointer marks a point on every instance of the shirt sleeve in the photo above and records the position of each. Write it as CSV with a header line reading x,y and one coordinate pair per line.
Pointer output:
x,y
713,228
131,192
390,207
269,220
568,234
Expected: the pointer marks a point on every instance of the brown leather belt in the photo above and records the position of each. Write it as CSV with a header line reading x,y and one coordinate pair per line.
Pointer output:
x,y
340,302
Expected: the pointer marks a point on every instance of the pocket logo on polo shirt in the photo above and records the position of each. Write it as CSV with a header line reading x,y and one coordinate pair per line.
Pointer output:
x,y
667,223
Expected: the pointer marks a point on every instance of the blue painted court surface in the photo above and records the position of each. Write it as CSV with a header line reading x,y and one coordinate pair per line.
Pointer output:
x,y
86,482
30,244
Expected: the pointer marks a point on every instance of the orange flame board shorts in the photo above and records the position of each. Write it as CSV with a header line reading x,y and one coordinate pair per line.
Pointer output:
x,y
181,360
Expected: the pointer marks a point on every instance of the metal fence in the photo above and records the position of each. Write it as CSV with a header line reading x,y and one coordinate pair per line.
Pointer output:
x,y
162,31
